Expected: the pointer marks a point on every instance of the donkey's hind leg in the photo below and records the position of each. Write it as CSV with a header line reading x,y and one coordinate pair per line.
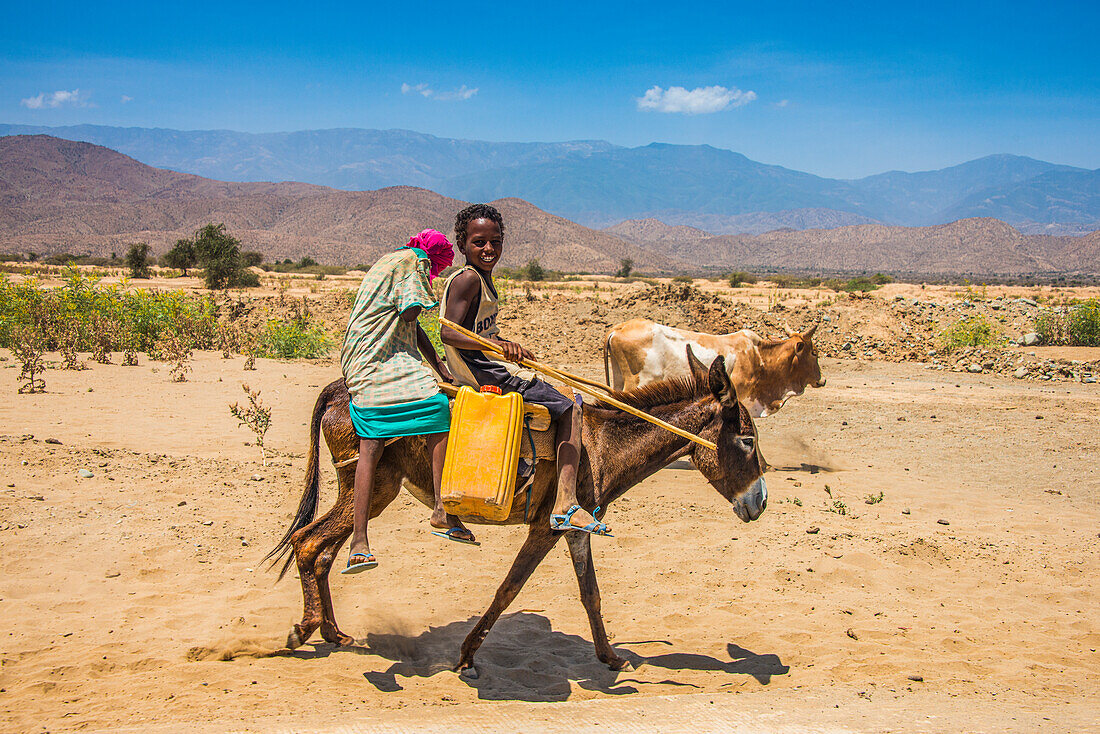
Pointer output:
x,y
580,549
315,547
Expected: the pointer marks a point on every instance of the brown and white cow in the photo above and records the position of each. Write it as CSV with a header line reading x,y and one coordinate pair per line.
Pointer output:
x,y
765,373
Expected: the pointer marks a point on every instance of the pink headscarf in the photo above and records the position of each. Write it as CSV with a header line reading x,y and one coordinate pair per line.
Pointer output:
x,y
441,252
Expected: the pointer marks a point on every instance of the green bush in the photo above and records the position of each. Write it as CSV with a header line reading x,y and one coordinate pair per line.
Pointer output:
x,y
683,279
738,277
1078,325
298,338
1084,324
974,331
1051,327
532,271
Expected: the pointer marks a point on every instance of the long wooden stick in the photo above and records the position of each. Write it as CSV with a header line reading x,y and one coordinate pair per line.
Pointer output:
x,y
577,384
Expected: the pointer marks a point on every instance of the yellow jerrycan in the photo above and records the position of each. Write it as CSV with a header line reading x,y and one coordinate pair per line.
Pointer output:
x,y
479,473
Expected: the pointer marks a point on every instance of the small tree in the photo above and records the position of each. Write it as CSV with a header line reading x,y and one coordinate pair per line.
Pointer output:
x,y
220,255
182,256
626,266
256,416
251,258
137,260
534,271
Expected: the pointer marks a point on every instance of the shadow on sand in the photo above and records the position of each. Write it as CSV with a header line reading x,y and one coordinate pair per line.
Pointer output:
x,y
525,659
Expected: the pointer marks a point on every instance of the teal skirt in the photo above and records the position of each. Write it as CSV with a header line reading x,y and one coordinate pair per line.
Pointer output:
x,y
431,415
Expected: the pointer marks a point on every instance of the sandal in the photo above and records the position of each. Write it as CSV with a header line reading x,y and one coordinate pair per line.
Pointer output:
x,y
360,566
565,522
453,534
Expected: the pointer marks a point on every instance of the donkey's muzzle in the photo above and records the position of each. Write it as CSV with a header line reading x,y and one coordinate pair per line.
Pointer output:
x,y
753,502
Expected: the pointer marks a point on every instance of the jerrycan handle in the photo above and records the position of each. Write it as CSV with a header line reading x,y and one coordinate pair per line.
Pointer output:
x,y
490,388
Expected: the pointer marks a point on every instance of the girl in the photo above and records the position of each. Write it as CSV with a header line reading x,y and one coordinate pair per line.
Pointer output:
x,y
393,393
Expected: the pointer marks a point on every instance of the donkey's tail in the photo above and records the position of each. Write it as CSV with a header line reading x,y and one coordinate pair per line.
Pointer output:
x,y
307,506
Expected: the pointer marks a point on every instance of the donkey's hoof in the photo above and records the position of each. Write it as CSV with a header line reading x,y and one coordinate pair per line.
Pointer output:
x,y
619,664
296,638
340,639
469,672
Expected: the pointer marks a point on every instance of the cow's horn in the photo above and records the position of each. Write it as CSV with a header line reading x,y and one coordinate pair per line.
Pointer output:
x,y
787,328
810,331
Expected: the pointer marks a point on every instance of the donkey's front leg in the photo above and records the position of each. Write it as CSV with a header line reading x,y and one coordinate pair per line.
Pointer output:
x,y
540,539
580,548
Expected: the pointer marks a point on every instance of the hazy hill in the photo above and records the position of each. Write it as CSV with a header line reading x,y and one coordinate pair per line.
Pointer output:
x,y
1057,196
758,222
599,184
656,232
625,183
60,195
979,247
929,197
344,158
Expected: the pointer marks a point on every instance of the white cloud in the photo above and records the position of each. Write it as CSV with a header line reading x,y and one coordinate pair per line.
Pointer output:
x,y
127,98
56,99
462,93
782,103
698,101
421,89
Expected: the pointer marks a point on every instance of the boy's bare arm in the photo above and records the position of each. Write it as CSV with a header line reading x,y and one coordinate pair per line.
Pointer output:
x,y
463,295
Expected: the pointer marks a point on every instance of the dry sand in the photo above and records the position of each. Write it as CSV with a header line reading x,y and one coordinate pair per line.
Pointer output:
x,y
123,593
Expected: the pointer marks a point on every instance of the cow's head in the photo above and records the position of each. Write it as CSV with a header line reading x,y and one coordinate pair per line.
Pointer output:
x,y
799,352
736,470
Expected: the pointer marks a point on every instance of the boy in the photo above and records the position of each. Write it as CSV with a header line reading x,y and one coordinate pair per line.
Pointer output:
x,y
470,300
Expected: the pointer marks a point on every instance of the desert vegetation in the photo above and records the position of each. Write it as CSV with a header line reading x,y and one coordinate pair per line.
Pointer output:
x,y
83,315
1076,325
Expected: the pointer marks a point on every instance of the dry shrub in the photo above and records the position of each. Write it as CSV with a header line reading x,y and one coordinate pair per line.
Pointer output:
x,y
173,348
28,344
68,342
256,416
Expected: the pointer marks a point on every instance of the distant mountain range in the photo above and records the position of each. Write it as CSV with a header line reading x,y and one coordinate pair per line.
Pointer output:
x,y
63,196
600,184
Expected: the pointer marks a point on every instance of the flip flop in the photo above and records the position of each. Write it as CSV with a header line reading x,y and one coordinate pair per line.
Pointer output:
x,y
565,522
367,563
451,535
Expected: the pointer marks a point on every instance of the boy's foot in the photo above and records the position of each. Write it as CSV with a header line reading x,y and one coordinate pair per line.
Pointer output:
x,y
567,521
359,562
459,535
451,528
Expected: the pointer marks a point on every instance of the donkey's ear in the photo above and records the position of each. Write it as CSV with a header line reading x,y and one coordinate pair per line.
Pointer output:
x,y
720,385
698,369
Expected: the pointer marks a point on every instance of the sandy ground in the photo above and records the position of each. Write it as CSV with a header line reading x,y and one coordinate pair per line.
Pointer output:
x,y
124,593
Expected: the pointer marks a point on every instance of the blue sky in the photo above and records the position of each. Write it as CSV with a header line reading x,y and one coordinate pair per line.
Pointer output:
x,y
837,90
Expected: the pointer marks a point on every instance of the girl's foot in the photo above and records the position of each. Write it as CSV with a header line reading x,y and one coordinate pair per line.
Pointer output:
x,y
359,562
452,528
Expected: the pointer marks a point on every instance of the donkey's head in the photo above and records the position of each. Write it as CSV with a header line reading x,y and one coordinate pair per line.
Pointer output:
x,y
737,469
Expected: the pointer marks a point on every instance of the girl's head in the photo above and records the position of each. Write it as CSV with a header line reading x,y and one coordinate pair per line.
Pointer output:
x,y
479,233
440,251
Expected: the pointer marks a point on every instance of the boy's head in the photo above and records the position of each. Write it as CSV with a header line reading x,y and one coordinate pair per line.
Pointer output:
x,y
479,234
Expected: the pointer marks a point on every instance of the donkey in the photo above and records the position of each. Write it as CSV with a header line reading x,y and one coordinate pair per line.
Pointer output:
x,y
619,450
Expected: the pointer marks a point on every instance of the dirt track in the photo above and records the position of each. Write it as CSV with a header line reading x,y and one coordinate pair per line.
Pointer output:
x,y
122,591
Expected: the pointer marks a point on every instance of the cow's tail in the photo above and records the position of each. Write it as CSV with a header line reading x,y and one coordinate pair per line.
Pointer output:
x,y
606,352
307,506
